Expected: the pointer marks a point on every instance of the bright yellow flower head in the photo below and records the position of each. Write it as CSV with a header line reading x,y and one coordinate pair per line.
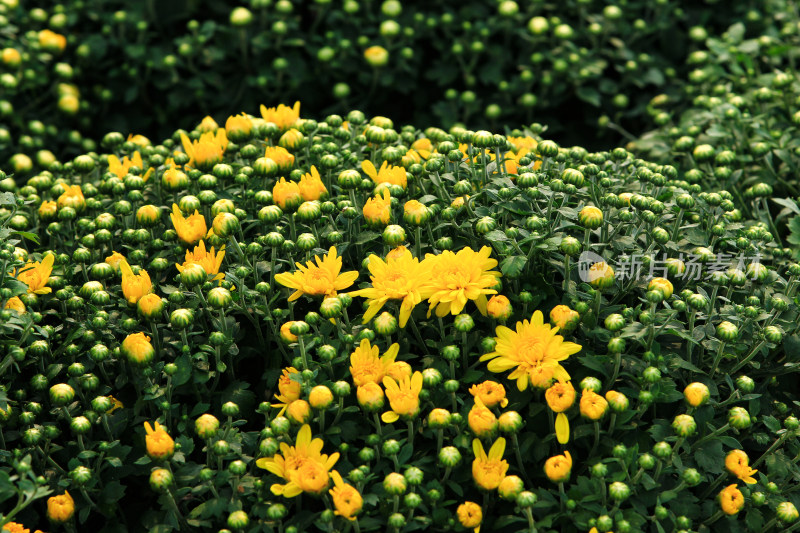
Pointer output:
x,y
286,194
738,464
593,406
134,286
36,274
137,348
159,444
72,197
206,151
121,168
491,393
558,467
387,174
370,396
282,116
489,470
238,126
346,499
60,508
16,527
299,411
482,421
281,156
403,397
560,397
564,318
534,351
731,500
189,229
115,259
459,277
378,210
696,394
289,389
209,260
399,370
15,304
499,307
322,279
423,146
208,124
290,462
311,186
400,277
48,209
138,140
661,284
52,41
470,516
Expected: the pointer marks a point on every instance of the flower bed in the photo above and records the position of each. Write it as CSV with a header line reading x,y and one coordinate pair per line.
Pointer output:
x,y
286,325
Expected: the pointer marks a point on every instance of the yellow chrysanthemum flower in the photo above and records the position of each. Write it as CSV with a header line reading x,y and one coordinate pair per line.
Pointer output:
x,y
534,351
403,397
490,392
15,304
209,260
560,397
377,211
134,286
60,508
158,442
72,197
311,186
457,278
290,462
367,367
121,167
387,174
281,156
731,500
286,194
206,151
322,279
558,467
282,116
189,229
208,124
36,274
401,277
115,259
738,463
470,515
489,470
346,499
289,389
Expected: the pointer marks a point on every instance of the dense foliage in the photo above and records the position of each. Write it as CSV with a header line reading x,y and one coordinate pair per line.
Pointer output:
x,y
284,324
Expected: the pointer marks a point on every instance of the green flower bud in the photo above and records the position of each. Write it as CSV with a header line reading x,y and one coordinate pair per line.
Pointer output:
x,y
739,418
463,323
662,450
773,334
727,331
161,479
691,477
395,484
684,425
614,322
449,456
238,520
570,246
510,422
619,491
80,475
591,383
647,461
394,235
61,394
182,318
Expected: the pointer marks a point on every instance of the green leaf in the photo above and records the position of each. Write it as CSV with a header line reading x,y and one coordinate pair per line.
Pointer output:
x,y
512,266
28,235
589,95
710,457
754,520
771,422
496,235
184,371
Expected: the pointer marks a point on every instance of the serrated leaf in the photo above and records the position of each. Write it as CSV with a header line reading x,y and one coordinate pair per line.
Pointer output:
x,y
710,457
512,266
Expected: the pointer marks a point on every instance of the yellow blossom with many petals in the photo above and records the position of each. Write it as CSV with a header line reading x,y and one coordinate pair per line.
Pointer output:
x,y
158,442
346,499
403,397
366,366
206,151
286,194
401,277
457,278
731,500
482,421
36,274
210,260
490,392
15,304
593,406
311,186
558,467
281,156
115,260
378,210
121,167
291,462
560,397
533,350
289,389
321,279
60,508
134,286
282,116
72,197
386,174
189,229
470,516
738,464
489,470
